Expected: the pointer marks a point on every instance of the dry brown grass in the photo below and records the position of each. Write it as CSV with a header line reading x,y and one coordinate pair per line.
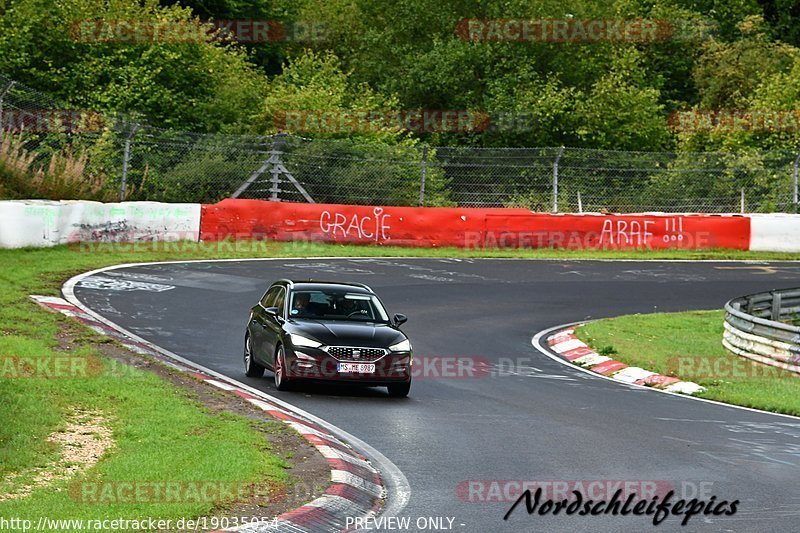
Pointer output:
x,y
65,177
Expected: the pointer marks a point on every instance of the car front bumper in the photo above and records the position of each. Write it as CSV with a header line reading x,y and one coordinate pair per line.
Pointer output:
x,y
318,365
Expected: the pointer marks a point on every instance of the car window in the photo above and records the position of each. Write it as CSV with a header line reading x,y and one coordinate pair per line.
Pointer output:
x,y
269,298
279,301
336,305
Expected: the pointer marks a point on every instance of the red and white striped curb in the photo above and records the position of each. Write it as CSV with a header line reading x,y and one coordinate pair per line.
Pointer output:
x,y
356,488
571,348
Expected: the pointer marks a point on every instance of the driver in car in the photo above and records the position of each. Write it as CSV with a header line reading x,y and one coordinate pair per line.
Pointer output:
x,y
300,305
352,308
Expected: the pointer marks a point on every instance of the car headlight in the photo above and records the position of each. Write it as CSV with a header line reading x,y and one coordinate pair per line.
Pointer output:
x,y
403,346
299,340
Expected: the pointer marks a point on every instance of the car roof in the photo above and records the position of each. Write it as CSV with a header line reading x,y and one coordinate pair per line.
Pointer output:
x,y
321,285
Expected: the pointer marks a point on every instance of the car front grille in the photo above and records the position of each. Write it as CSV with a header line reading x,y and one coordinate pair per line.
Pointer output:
x,y
353,353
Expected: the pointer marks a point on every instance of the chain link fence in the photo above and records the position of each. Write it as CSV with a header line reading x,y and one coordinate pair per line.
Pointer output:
x,y
129,159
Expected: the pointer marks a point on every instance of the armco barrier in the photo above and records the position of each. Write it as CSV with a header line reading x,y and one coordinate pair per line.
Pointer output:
x,y
48,223
468,228
756,328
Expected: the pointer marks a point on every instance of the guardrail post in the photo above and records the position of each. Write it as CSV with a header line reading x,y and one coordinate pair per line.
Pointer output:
x,y
776,306
424,175
555,179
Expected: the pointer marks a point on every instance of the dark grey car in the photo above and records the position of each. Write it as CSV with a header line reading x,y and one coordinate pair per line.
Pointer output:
x,y
327,331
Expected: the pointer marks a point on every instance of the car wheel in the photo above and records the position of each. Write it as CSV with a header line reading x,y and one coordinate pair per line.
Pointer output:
x,y
251,368
399,390
279,370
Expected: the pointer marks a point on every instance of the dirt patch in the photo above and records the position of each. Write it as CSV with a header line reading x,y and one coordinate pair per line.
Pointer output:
x,y
83,442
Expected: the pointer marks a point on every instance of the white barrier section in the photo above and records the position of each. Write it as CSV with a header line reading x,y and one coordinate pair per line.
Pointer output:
x,y
48,223
775,233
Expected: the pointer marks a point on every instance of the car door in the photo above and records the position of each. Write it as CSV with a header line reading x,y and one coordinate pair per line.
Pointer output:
x,y
258,324
273,325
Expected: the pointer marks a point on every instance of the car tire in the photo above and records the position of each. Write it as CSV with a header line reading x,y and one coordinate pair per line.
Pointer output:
x,y
251,368
399,390
279,370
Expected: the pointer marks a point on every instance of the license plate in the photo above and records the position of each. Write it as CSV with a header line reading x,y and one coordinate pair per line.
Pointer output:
x,y
356,368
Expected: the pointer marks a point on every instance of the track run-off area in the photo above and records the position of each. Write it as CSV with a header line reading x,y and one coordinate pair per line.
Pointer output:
x,y
466,442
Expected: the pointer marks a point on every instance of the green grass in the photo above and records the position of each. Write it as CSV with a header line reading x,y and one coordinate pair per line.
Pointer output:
x,y
688,345
160,434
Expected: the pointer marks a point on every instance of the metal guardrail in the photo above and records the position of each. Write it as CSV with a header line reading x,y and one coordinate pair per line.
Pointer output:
x,y
756,327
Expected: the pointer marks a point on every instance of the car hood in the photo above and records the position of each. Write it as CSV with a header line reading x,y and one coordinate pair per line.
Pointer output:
x,y
337,333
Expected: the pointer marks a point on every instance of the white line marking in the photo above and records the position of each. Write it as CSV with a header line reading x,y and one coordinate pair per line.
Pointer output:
x,y
592,359
332,453
632,374
342,476
566,346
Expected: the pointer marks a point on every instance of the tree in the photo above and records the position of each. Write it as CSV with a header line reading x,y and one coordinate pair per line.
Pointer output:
x,y
200,85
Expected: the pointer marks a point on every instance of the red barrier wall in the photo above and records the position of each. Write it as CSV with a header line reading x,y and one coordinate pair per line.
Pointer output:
x,y
464,227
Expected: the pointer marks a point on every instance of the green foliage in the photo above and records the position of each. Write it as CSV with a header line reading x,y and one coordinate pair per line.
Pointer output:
x,y
316,83
199,85
728,73
407,55
621,111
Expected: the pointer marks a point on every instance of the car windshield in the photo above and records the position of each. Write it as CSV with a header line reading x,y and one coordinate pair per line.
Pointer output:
x,y
330,304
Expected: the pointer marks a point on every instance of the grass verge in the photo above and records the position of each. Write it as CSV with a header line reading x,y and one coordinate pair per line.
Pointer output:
x,y
160,434
688,345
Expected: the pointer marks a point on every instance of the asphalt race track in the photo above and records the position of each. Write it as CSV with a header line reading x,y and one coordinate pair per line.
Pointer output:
x,y
528,418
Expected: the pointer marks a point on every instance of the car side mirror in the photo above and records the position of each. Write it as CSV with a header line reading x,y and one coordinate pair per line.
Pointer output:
x,y
272,311
399,319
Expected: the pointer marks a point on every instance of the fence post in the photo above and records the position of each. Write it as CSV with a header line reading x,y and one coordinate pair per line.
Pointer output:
x,y
9,85
424,175
555,179
741,202
794,185
275,156
126,156
580,203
